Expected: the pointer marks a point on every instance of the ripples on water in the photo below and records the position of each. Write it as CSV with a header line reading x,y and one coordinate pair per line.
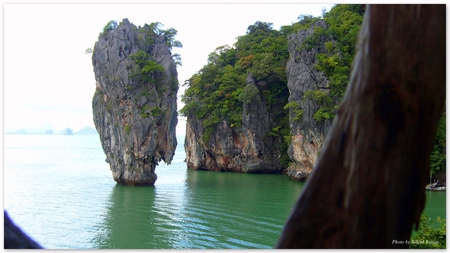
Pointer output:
x,y
206,210
61,192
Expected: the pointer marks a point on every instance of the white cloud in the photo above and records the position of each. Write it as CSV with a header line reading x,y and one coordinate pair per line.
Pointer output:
x,y
48,79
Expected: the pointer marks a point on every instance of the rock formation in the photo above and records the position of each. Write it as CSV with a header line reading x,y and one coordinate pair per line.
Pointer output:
x,y
134,105
307,133
248,148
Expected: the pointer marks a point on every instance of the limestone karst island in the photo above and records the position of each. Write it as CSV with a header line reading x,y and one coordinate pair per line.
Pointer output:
x,y
134,105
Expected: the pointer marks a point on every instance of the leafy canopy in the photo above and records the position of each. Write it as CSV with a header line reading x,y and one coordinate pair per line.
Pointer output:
x,y
438,155
344,22
145,69
429,237
146,35
219,90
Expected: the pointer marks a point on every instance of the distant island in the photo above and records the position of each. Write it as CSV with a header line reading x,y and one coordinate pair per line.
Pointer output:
x,y
67,131
87,130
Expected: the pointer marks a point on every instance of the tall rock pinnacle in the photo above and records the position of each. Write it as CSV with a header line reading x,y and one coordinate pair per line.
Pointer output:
x,y
308,134
134,105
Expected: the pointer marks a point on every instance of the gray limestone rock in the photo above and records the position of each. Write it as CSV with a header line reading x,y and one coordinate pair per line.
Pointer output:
x,y
307,133
134,105
248,148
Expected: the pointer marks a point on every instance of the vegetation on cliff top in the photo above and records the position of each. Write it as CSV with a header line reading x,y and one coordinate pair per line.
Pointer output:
x,y
344,22
144,71
218,91
145,35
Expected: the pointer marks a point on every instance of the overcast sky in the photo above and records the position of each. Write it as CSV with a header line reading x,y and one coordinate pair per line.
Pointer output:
x,y
49,80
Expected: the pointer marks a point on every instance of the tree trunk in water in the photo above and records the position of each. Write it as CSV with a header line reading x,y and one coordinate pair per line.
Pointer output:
x,y
368,187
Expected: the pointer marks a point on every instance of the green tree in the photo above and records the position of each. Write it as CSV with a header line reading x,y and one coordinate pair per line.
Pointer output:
x,y
344,22
428,237
304,22
217,92
146,69
111,25
438,156
169,35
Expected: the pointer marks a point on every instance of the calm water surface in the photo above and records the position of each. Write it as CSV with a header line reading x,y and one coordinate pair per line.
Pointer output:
x,y
59,189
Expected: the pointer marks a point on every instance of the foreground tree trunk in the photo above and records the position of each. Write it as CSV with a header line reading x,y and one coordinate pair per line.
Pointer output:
x,y
367,188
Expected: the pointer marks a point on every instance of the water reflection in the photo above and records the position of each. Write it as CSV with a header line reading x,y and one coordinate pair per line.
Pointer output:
x,y
197,210
80,206
239,210
127,220
204,210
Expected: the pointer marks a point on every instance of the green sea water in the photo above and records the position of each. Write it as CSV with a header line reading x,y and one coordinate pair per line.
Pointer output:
x,y
435,206
59,189
206,210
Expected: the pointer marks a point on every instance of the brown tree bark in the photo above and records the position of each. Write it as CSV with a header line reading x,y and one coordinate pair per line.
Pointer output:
x,y
367,188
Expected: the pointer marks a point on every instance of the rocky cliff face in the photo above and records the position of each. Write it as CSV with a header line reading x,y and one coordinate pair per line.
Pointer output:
x,y
307,133
134,105
248,148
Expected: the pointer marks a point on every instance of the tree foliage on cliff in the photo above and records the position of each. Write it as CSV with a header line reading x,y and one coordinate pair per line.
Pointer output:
x,y
145,70
438,156
218,91
169,34
344,22
146,34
